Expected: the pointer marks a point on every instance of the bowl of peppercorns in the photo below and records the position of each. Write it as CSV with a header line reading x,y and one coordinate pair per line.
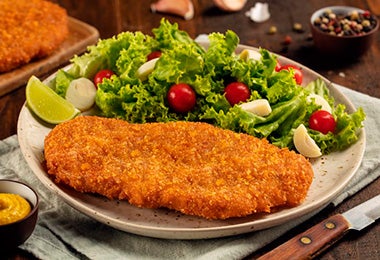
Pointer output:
x,y
343,31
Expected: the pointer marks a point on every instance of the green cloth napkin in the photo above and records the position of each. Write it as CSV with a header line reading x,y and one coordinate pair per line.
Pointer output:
x,y
64,233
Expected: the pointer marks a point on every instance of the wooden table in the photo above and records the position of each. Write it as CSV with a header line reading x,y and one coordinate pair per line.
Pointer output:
x,y
112,17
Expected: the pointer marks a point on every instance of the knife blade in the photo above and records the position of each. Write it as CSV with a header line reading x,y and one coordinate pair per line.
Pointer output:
x,y
319,237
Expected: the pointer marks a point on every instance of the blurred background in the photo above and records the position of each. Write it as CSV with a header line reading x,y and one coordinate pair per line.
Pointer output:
x,y
131,15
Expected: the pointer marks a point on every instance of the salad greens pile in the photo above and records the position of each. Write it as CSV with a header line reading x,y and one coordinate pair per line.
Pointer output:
x,y
207,71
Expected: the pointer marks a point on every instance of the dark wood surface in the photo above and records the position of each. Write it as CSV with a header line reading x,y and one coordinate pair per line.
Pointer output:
x,y
362,74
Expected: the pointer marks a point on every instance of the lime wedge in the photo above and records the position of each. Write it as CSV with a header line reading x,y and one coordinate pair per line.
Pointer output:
x,y
46,104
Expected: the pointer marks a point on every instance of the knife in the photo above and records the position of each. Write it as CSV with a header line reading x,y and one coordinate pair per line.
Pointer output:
x,y
319,237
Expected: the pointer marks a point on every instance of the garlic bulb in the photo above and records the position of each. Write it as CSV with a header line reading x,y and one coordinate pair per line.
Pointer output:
x,y
183,8
230,5
259,13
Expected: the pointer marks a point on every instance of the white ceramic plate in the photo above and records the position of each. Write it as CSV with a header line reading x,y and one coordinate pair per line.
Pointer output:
x,y
332,173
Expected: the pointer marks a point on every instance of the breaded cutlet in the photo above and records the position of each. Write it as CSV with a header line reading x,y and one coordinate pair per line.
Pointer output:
x,y
29,29
191,167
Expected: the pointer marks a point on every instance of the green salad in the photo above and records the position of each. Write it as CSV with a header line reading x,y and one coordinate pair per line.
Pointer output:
x,y
141,97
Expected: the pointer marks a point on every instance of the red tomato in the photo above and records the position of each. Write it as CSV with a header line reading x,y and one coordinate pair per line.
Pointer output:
x,y
298,76
237,92
101,75
322,121
153,55
181,98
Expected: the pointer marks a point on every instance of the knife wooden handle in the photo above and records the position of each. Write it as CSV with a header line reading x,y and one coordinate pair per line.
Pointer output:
x,y
307,244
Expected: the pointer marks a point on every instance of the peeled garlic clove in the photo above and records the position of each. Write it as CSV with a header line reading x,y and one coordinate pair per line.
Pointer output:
x,y
202,38
320,101
259,13
81,93
144,70
183,8
304,144
248,54
230,5
260,107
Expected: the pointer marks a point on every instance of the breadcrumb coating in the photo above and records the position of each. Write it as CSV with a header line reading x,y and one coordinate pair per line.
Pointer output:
x,y
191,167
29,29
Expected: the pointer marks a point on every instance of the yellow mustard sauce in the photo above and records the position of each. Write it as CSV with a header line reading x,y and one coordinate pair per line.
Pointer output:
x,y
13,207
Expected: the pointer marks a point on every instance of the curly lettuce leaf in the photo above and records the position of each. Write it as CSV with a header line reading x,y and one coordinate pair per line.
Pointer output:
x,y
168,36
62,82
220,54
107,54
319,87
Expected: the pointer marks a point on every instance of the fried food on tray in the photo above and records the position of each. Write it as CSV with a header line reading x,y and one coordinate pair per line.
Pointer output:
x,y
191,167
29,29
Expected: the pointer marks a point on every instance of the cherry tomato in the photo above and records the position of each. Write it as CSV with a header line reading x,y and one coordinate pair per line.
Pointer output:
x,y
237,92
101,75
181,98
153,55
322,121
298,76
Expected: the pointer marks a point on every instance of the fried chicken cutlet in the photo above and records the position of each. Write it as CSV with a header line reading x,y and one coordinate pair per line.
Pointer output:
x,y
191,167
29,29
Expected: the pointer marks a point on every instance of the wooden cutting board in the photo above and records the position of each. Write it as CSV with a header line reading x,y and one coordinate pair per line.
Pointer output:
x,y
80,36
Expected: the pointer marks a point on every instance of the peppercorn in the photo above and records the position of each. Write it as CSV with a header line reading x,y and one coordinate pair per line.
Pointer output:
x,y
367,14
353,23
366,23
354,15
332,16
272,30
287,40
297,27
